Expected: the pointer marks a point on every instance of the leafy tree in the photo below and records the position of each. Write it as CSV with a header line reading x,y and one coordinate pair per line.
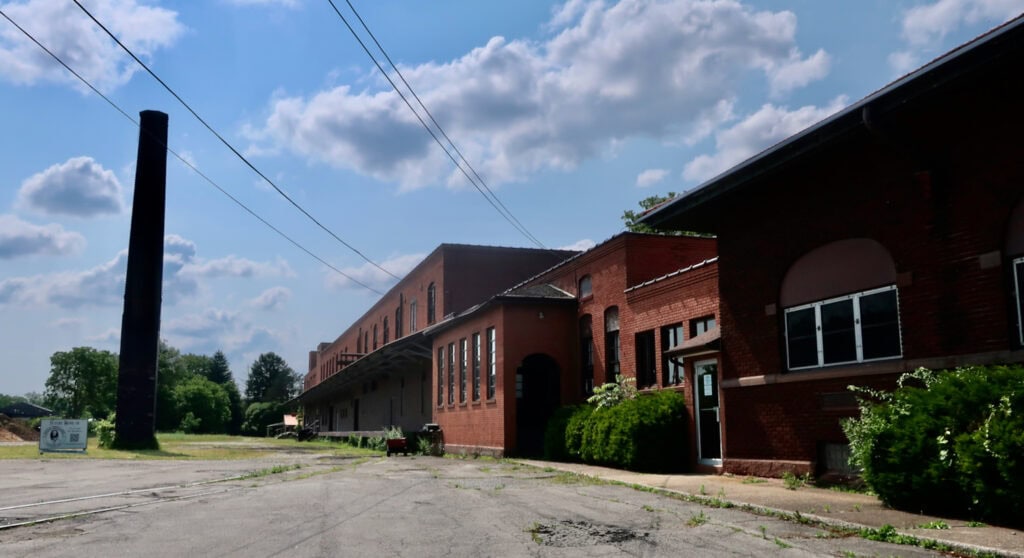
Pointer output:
x,y
6,400
35,398
260,415
203,406
196,365
237,411
171,371
270,380
631,218
82,382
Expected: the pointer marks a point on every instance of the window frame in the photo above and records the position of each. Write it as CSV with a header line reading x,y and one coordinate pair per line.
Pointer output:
x,y
670,364
440,375
857,328
451,373
412,316
492,363
645,349
463,363
431,303
476,366
1018,296
589,282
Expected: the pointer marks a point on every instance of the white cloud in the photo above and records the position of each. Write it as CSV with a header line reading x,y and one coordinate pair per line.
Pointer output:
x,y
73,37
19,238
272,298
638,68
233,266
581,245
216,329
924,26
285,3
766,127
68,324
79,187
109,337
104,284
650,177
370,275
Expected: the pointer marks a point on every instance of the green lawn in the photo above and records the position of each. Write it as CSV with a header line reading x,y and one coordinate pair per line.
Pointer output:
x,y
194,446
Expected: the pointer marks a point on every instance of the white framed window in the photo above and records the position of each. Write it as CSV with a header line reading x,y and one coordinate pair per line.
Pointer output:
x,y
859,327
1018,289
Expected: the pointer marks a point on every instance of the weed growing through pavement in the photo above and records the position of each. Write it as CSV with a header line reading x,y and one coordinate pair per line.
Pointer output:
x,y
975,524
647,508
934,525
781,543
534,531
792,482
697,519
764,531
754,480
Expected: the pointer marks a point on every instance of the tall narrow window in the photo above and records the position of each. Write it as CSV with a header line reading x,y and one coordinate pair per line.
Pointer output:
x,y
431,302
440,375
672,368
476,367
451,373
366,341
398,319
359,341
587,355
412,316
586,288
375,337
385,330
492,363
859,327
646,369
611,343
464,350
1018,283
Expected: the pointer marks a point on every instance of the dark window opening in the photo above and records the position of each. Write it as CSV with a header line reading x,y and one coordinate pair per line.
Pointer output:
x,y
646,369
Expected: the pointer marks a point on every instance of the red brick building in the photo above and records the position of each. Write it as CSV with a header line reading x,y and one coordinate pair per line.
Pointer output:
x,y
623,307
377,372
887,237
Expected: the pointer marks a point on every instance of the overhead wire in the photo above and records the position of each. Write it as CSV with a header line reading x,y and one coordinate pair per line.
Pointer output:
x,y
183,160
227,144
430,115
506,214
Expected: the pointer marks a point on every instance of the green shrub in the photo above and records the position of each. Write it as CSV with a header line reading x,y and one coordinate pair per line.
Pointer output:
x,y
643,434
105,431
950,445
554,434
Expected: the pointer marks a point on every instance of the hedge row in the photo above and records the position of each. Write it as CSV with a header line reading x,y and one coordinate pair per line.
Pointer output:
x,y
643,434
953,444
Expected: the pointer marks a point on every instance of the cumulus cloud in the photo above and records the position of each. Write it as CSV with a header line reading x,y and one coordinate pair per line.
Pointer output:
x,y
581,245
109,337
518,106
272,298
924,26
650,177
285,3
103,285
216,329
19,238
79,187
762,129
233,266
73,37
68,324
370,275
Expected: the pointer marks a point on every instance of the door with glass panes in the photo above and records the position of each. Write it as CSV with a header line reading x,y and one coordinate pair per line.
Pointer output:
x,y
709,423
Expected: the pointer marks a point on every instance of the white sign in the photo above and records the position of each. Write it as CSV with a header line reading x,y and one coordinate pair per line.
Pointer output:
x,y
707,385
63,435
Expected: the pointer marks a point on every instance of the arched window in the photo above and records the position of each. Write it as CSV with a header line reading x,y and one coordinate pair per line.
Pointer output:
x,y
398,319
431,303
359,341
586,288
375,337
841,305
611,343
385,330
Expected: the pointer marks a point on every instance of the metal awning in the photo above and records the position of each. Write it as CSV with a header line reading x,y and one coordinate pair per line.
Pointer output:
x,y
408,352
708,342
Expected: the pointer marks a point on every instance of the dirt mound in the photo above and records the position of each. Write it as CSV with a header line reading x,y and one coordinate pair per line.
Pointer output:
x,y
13,430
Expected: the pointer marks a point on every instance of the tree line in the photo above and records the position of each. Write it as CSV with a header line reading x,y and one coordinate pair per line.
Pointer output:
x,y
195,393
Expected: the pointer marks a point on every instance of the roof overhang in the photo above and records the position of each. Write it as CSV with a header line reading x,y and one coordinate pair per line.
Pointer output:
x,y
708,342
696,210
408,352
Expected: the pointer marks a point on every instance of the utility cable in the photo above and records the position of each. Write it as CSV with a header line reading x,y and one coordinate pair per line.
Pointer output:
x,y
507,217
419,101
228,144
180,158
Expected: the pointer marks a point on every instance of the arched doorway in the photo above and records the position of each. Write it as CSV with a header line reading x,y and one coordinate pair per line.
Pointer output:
x,y
538,390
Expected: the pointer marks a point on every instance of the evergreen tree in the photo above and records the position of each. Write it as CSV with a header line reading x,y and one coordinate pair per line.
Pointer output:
x,y
270,380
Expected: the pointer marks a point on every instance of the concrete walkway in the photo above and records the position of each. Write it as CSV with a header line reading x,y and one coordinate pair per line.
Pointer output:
x,y
829,507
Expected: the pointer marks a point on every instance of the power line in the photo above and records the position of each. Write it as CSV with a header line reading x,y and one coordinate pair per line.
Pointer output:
x,y
521,227
227,144
504,213
180,158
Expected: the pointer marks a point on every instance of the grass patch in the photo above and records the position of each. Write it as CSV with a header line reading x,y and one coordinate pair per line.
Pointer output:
x,y
754,480
697,519
934,525
175,445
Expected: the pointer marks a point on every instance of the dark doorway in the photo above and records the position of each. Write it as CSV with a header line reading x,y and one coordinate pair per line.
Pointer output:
x,y
330,418
538,390
355,414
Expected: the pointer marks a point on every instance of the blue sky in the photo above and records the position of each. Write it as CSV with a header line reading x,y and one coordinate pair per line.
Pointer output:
x,y
571,112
